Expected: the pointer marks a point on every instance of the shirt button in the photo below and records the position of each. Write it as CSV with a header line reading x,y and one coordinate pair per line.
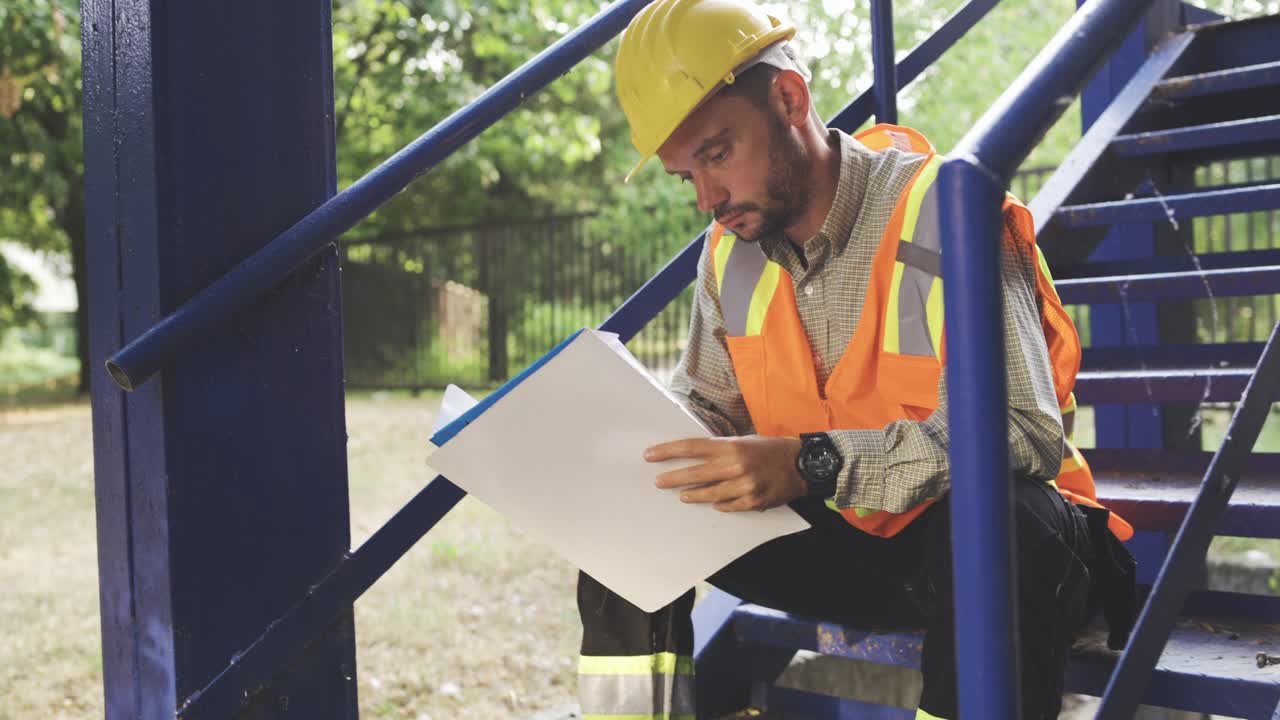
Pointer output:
x,y
808,289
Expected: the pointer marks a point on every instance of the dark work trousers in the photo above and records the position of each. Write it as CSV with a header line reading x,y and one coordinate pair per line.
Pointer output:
x,y
836,572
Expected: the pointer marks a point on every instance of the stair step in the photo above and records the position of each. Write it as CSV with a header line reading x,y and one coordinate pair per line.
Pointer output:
x,y
1232,282
1181,206
1198,137
1169,264
1238,43
1242,354
1160,503
1219,81
1162,385
1208,665
1154,462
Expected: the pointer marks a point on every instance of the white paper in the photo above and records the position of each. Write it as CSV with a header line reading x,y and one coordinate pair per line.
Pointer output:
x,y
455,402
561,457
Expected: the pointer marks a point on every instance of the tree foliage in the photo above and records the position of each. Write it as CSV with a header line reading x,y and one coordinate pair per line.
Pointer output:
x,y
401,67
41,159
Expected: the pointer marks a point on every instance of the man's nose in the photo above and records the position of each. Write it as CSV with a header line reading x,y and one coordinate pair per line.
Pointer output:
x,y
710,194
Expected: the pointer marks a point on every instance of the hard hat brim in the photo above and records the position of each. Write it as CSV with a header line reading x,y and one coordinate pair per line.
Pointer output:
x,y
636,169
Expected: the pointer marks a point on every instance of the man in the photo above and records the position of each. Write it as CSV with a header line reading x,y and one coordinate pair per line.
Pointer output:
x,y
816,354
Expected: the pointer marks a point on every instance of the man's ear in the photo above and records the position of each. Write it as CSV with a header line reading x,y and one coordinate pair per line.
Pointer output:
x,y
789,97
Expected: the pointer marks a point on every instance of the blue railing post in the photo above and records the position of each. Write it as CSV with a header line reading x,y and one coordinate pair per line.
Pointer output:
x,y
886,70
969,200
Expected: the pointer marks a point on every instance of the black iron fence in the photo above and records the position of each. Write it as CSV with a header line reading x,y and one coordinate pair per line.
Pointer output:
x,y
475,304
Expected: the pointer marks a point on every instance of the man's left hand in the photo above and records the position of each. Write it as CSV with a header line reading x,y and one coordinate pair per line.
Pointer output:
x,y
755,472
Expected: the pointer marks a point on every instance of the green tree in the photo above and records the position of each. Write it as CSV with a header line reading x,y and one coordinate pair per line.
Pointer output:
x,y
42,180
402,67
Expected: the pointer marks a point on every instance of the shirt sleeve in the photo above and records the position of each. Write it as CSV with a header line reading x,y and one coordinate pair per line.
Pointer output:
x,y
704,379
905,463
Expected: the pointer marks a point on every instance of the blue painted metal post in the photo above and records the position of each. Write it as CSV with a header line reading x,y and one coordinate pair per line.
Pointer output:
x,y
886,70
221,488
969,200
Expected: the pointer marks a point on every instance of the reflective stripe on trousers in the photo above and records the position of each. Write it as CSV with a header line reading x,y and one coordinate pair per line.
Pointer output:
x,y
636,687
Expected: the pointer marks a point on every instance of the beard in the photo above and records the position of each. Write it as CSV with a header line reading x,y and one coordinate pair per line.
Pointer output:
x,y
787,186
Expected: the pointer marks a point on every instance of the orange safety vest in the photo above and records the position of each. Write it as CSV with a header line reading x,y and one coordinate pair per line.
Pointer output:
x,y
891,367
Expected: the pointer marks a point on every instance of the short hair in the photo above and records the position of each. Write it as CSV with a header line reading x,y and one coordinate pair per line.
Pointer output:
x,y
753,83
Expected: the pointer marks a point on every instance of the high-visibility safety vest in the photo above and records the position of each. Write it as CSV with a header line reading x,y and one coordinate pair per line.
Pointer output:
x,y
890,369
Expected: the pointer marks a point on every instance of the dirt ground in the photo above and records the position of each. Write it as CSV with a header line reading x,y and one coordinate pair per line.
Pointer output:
x,y
476,621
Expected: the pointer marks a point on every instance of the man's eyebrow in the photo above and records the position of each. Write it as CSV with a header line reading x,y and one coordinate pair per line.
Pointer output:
x,y
712,141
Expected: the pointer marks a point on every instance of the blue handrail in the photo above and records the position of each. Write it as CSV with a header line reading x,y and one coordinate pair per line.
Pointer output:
x,y
239,288
970,191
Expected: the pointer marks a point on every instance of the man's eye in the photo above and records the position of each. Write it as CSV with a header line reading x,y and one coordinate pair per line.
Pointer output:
x,y
720,156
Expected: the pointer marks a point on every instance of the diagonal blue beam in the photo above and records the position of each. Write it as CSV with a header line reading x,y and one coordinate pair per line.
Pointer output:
x,y
1013,125
242,286
1181,567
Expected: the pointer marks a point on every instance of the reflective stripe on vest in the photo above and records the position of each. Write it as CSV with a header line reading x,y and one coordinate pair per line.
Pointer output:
x,y
635,687
913,319
1069,452
746,280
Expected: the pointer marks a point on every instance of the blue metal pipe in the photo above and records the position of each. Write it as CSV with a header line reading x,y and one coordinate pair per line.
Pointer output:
x,y
970,193
238,289
886,70
1007,132
969,202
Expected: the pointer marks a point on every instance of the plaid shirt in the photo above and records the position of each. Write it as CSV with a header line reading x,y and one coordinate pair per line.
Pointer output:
x,y
904,463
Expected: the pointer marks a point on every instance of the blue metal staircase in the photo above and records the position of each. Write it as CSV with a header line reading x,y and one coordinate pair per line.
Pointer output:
x,y
1206,92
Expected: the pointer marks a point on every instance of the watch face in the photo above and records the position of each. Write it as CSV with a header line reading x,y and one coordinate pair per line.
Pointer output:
x,y
821,462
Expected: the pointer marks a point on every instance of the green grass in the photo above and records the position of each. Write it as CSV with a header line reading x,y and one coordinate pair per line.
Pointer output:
x,y
34,375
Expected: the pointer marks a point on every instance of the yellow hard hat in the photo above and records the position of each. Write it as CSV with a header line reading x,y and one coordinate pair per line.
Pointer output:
x,y
675,53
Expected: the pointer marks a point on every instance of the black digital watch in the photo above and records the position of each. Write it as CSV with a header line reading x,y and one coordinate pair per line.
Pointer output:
x,y
819,463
